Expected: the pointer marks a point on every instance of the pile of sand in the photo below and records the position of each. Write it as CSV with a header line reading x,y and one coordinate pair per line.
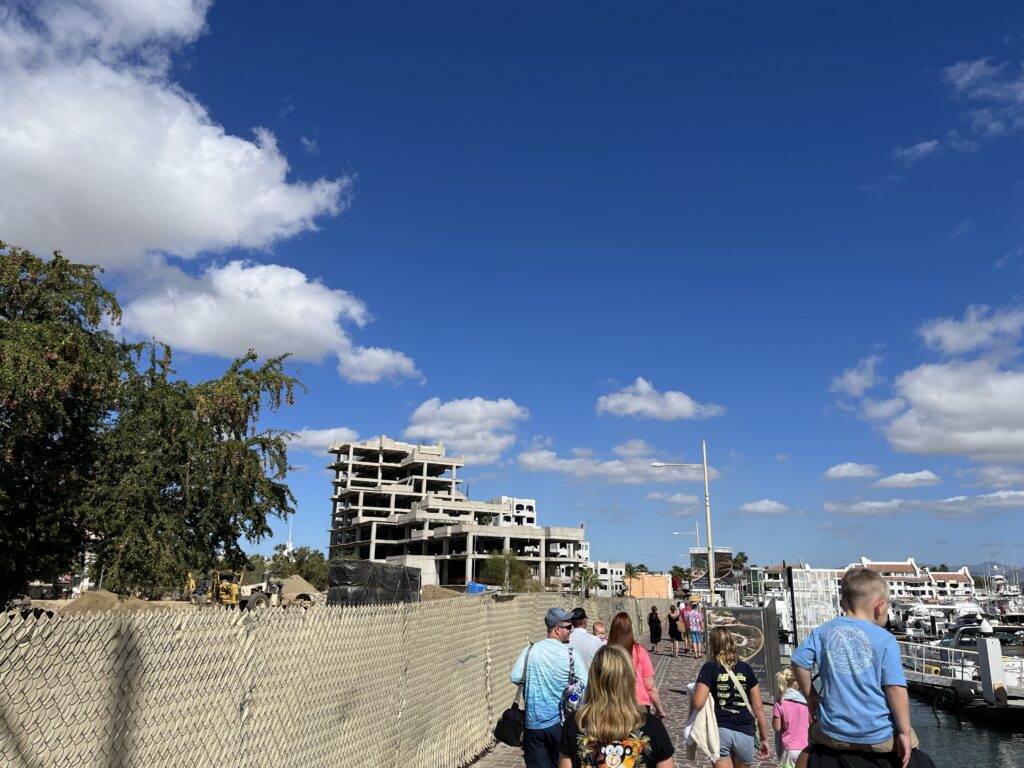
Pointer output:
x,y
293,586
433,592
100,601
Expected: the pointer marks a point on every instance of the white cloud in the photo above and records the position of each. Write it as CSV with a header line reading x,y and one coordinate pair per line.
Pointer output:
x,y
672,498
632,470
478,429
973,408
369,364
977,506
765,507
949,508
633,448
998,476
916,152
641,399
908,480
271,308
880,410
850,469
961,229
583,453
980,328
857,380
782,457
319,440
106,157
868,508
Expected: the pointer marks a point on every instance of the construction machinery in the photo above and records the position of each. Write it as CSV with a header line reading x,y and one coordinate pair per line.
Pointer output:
x,y
226,588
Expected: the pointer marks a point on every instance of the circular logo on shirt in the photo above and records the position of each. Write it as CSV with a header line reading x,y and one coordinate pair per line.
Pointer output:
x,y
849,651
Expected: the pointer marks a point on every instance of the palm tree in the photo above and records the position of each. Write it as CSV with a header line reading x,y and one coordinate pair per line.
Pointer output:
x,y
739,560
585,579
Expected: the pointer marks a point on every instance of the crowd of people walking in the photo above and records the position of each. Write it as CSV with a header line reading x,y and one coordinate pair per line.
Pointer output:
x,y
592,702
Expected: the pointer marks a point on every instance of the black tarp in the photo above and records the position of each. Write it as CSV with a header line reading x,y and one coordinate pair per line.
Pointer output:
x,y
362,582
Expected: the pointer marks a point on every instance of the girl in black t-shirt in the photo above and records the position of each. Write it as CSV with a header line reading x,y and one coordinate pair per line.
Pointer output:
x,y
611,728
735,721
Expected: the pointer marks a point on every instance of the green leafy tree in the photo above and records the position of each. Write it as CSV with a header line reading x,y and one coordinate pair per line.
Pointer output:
x,y
584,580
60,376
306,562
507,571
184,474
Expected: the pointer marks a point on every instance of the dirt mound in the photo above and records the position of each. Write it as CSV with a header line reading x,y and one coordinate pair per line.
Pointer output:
x,y
100,601
432,592
293,586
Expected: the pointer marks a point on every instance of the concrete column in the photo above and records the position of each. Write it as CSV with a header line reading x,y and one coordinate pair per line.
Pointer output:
x,y
373,540
508,543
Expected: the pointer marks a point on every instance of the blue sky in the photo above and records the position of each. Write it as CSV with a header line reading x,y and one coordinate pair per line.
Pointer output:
x,y
570,241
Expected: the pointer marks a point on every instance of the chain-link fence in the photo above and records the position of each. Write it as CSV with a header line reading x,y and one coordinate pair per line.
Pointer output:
x,y
416,685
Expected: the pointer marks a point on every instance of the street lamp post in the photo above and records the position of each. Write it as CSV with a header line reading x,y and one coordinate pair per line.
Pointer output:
x,y
695,532
707,512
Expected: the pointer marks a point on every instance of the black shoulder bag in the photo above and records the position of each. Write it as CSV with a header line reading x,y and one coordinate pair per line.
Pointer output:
x,y
511,726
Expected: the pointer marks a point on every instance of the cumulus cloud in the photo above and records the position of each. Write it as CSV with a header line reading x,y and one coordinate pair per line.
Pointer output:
x,y
476,428
104,154
765,507
980,328
642,400
890,507
949,508
319,440
915,153
977,506
880,410
271,308
672,498
998,476
627,470
908,480
857,380
850,469
966,408
634,447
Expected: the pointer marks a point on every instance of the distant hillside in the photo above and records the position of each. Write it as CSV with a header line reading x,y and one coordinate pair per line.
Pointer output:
x,y
991,566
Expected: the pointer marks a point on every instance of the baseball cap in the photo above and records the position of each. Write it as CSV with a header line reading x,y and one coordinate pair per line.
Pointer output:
x,y
556,616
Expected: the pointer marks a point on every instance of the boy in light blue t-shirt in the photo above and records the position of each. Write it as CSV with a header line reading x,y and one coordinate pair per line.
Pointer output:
x,y
864,703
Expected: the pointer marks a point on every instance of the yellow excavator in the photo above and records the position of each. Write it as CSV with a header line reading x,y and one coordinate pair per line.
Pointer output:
x,y
225,588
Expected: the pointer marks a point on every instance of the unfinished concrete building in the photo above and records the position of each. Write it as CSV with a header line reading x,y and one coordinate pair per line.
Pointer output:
x,y
401,503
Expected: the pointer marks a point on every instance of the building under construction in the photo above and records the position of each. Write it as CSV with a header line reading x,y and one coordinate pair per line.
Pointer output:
x,y
401,503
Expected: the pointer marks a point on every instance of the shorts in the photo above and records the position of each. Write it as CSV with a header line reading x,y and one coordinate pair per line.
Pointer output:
x,y
696,636
818,736
788,758
736,744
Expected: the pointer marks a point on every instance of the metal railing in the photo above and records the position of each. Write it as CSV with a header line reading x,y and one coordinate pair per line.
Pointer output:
x,y
940,661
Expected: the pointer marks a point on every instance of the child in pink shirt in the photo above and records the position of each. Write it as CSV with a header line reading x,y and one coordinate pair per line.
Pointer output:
x,y
790,718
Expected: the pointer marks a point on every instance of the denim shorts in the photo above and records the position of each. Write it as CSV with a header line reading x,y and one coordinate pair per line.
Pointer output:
x,y
739,745
696,636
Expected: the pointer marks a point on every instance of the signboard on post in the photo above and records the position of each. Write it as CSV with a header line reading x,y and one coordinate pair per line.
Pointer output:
x,y
756,633
699,563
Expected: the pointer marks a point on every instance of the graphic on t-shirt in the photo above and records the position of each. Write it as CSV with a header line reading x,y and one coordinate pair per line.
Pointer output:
x,y
627,753
729,699
849,651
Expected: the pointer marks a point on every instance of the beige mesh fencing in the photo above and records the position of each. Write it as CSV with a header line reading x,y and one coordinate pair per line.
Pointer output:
x,y
422,682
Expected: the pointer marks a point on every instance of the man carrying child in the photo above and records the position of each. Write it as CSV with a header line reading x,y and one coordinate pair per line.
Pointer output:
x,y
863,704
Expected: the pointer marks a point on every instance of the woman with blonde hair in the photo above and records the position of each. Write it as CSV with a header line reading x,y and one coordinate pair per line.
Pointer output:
x,y
611,728
736,696
621,633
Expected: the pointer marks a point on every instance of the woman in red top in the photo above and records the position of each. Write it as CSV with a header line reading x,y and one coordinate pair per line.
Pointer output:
x,y
621,633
